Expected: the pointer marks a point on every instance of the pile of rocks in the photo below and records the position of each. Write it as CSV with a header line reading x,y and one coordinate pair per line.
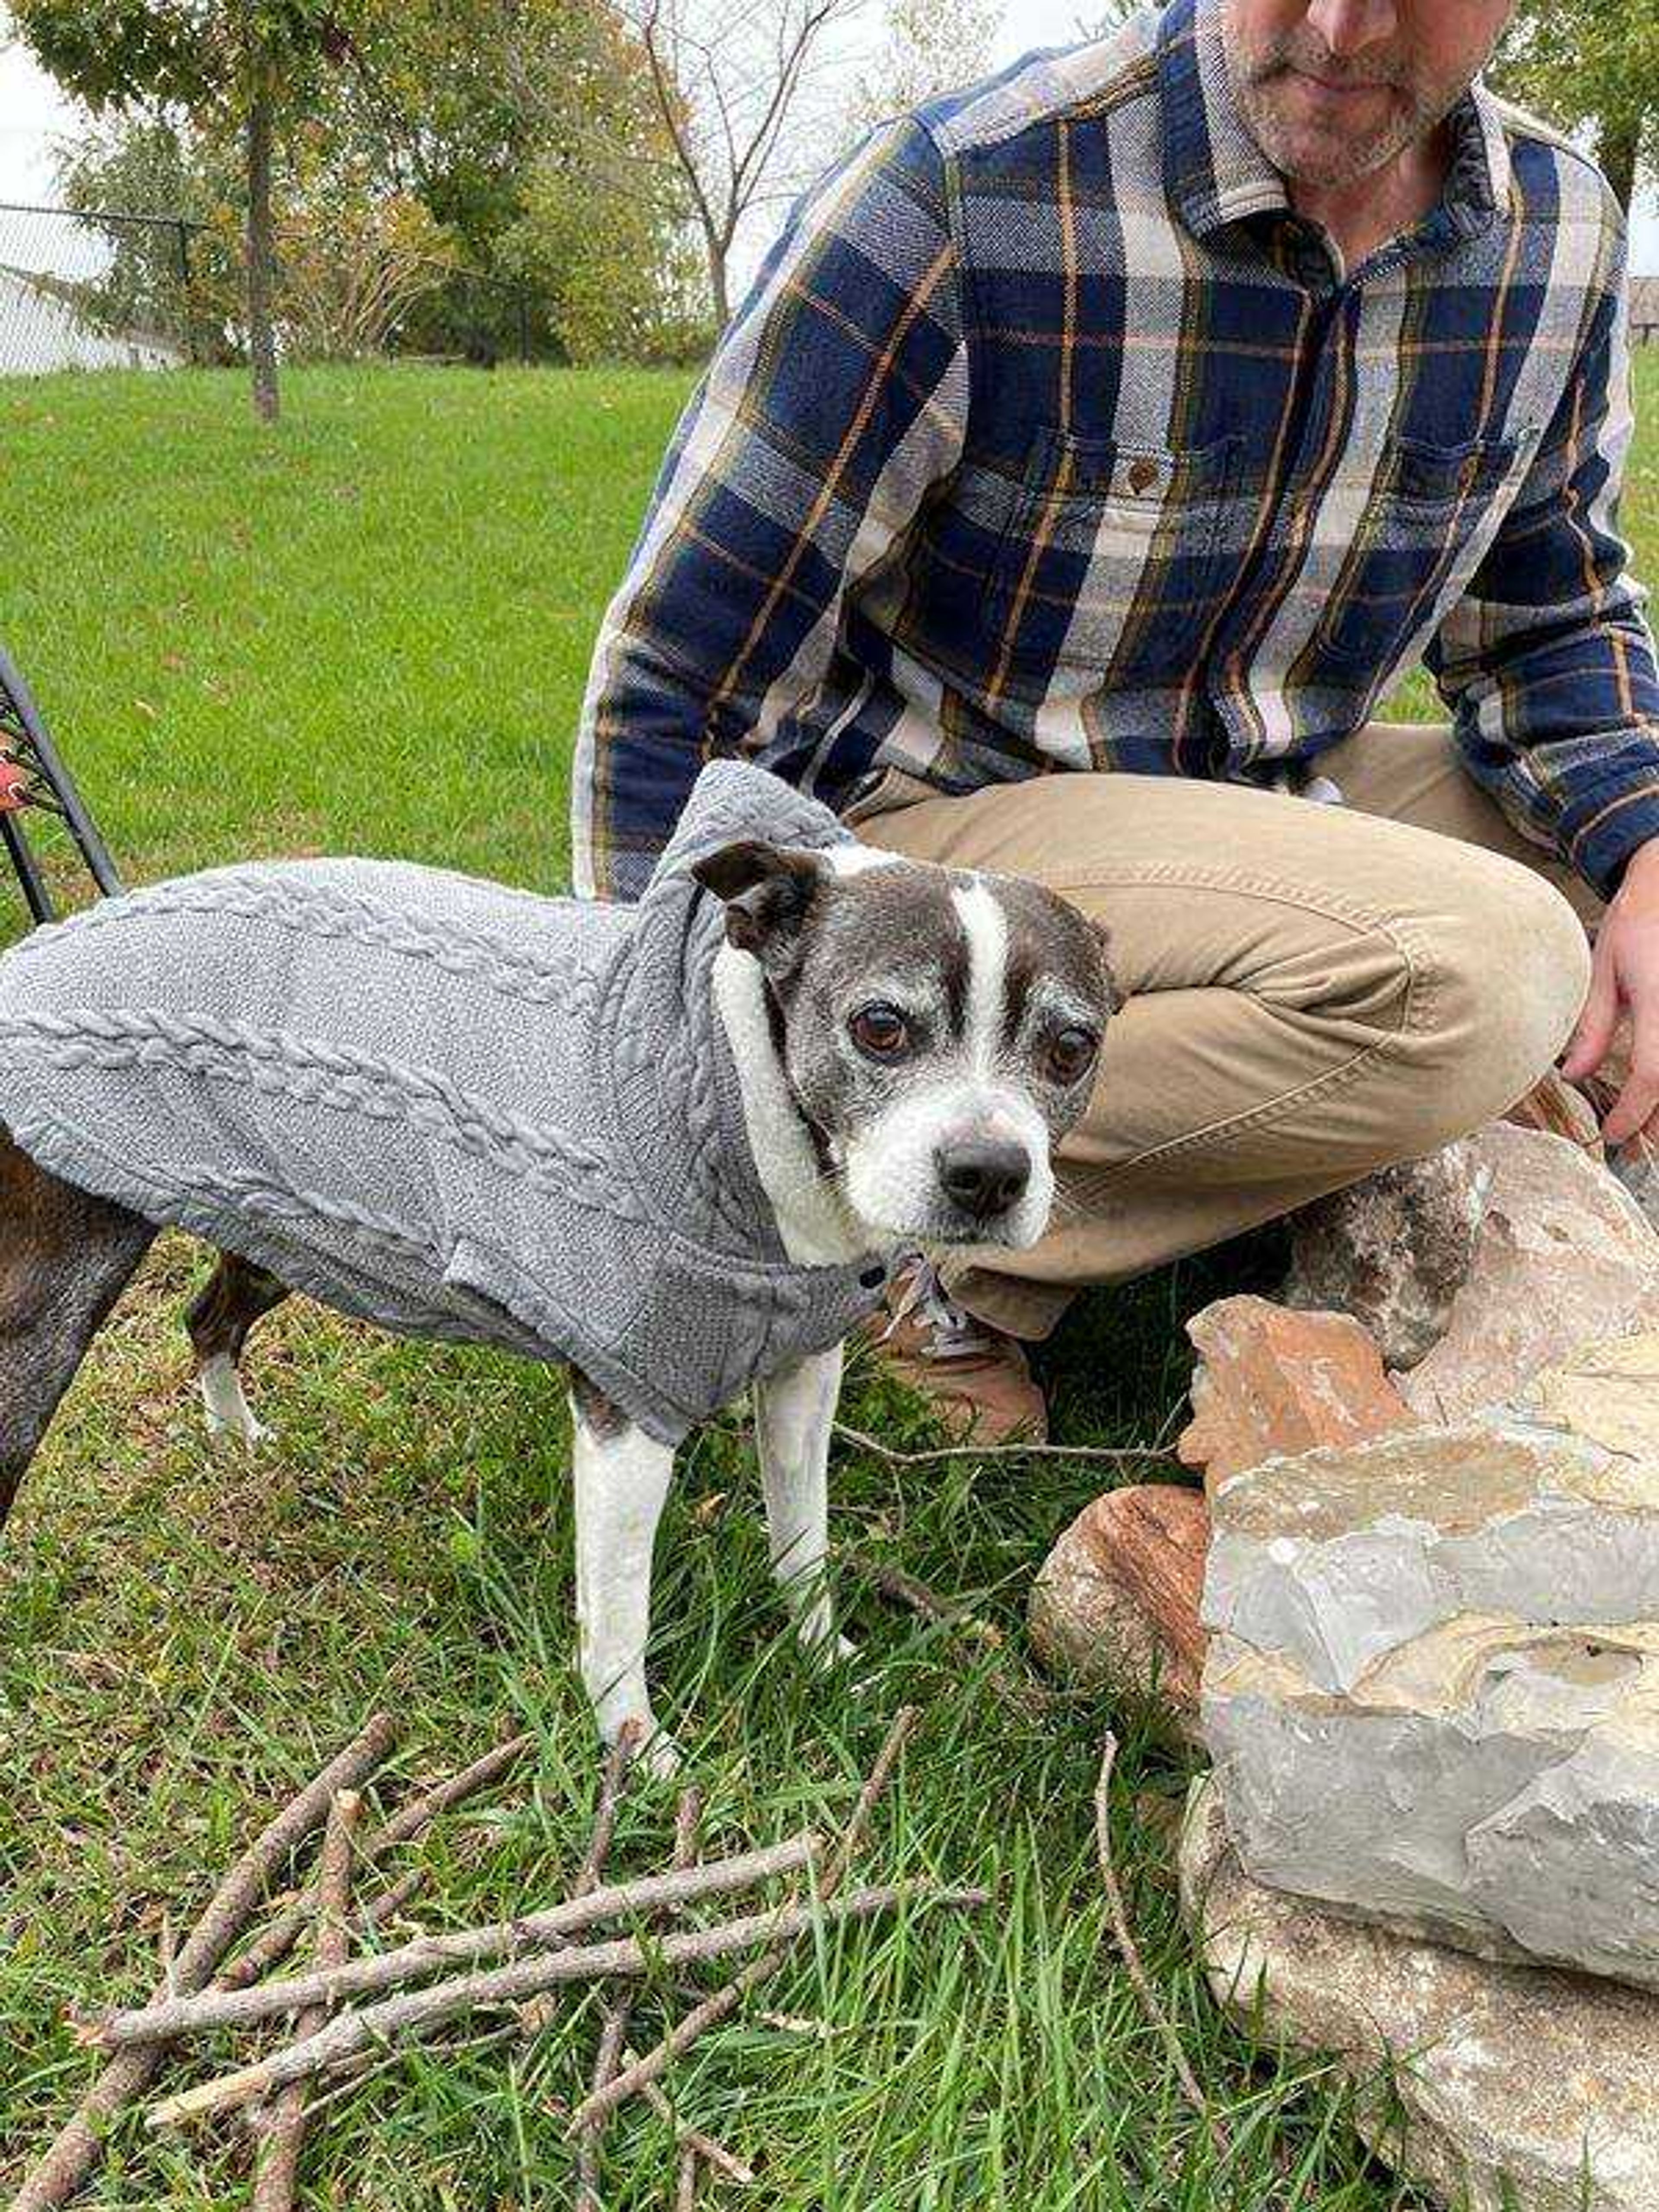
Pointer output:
x,y
1414,1619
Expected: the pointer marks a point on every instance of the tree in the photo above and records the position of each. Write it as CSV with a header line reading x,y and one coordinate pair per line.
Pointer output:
x,y
227,65
531,131
1590,64
929,46
734,82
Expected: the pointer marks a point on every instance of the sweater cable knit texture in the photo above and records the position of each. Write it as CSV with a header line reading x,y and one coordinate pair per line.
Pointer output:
x,y
459,1110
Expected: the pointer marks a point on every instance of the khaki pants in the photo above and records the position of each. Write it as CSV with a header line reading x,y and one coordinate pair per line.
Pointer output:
x,y
1315,991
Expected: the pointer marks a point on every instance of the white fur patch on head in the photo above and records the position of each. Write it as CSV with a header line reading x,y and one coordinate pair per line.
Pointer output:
x,y
859,859
986,927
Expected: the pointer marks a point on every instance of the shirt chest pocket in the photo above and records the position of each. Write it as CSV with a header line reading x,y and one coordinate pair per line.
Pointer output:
x,y
1101,531
1410,554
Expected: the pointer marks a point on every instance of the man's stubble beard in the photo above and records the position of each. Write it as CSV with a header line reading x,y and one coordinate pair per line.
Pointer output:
x,y
1324,158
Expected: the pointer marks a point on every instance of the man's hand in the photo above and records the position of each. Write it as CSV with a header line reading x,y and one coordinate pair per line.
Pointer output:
x,y
1624,978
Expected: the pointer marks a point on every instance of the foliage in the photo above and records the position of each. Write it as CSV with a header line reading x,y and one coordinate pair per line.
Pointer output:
x,y
749,102
928,46
353,263
1592,62
227,65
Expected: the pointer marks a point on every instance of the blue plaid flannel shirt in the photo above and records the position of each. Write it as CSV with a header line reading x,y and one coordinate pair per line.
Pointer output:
x,y
1050,438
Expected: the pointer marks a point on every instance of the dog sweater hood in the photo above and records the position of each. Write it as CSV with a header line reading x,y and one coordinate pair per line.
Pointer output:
x,y
456,1109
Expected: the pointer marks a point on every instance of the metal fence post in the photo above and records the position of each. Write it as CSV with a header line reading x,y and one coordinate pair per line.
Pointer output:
x,y
184,278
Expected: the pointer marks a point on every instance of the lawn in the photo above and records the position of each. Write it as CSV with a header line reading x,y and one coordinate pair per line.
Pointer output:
x,y
368,631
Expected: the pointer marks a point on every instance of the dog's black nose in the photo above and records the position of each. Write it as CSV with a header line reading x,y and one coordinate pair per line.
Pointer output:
x,y
983,1178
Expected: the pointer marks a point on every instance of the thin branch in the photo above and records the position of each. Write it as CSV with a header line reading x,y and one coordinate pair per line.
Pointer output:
x,y
217,2009
613,2033
1023,1693
284,2137
75,2153
410,1820
712,2152
724,2002
351,2032
893,1458
598,1850
685,2194
1125,1943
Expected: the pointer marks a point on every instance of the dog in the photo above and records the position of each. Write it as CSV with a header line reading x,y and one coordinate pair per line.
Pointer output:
x,y
676,1146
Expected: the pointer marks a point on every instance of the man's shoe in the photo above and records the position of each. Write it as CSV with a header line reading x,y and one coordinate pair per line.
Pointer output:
x,y
975,1378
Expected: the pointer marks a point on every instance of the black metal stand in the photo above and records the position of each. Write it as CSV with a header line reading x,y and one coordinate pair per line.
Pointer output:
x,y
48,788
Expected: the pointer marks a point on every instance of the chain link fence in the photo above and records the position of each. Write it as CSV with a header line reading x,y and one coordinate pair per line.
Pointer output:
x,y
114,290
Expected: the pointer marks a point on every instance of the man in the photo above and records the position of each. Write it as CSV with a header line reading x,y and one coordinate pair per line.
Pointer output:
x,y
1141,415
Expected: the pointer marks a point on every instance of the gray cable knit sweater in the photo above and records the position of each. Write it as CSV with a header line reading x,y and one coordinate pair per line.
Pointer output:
x,y
456,1109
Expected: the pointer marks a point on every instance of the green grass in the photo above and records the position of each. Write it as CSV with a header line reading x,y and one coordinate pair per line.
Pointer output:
x,y
369,631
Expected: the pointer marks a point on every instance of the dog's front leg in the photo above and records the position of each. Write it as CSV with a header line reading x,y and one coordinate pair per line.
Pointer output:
x,y
621,1481
795,1410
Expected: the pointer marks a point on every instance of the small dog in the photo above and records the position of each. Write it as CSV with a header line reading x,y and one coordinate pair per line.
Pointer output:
x,y
905,1045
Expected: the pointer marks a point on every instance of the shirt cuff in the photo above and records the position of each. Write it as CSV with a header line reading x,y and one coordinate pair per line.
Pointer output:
x,y
1611,831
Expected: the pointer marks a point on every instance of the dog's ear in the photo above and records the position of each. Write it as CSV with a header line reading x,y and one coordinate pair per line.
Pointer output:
x,y
768,890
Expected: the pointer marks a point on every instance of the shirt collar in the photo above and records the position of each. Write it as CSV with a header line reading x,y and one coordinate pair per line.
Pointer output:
x,y
1216,174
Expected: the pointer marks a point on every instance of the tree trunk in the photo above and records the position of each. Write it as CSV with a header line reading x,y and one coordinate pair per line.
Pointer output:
x,y
715,249
261,249
1618,146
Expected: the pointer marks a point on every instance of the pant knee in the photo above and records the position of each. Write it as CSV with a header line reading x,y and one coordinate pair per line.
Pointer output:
x,y
1511,969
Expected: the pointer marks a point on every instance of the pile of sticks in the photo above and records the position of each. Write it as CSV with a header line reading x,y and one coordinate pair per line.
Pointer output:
x,y
356,2009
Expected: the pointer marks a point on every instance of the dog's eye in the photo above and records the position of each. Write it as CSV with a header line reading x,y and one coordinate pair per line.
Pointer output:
x,y
1072,1054
879,1030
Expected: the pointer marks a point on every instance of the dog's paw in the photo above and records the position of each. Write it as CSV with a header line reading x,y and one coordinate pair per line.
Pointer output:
x,y
826,1650
230,1419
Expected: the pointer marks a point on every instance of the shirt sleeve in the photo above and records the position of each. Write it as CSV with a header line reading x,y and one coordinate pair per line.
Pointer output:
x,y
836,400
1548,662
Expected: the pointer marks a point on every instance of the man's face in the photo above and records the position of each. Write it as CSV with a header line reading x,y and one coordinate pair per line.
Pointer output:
x,y
1333,89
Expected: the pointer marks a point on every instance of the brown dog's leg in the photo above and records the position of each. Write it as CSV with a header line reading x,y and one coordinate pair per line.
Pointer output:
x,y
65,1257
237,1295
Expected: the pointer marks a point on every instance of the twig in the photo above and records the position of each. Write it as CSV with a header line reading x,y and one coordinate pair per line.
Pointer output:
x,y
75,2155
1131,1956
604,1818
711,2152
284,2137
685,2195
613,2033
895,1458
274,1943
1023,1694
724,2002
214,2009
598,1850
351,2032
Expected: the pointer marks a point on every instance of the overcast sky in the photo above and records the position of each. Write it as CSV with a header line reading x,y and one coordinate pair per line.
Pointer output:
x,y
33,110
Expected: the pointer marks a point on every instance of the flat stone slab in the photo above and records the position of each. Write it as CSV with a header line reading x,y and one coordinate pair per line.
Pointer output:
x,y
1431,1690
1335,1558
1486,1785
1506,2077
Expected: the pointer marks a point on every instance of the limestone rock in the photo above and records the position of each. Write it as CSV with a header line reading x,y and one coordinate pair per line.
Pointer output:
x,y
1432,1685
1115,1603
1559,1108
1393,1251
1272,1379
1565,1256
1486,1785
1331,1561
1510,2079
